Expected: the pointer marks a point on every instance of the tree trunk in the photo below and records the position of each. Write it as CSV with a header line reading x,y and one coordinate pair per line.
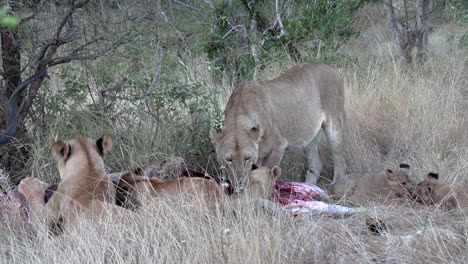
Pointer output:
x,y
11,57
13,156
423,23
405,44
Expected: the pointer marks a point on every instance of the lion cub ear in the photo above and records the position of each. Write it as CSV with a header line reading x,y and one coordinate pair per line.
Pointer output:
x,y
404,166
139,172
275,172
61,150
104,144
433,176
391,176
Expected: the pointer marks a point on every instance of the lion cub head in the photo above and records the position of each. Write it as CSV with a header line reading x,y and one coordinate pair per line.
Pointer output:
x,y
432,191
400,181
81,156
261,182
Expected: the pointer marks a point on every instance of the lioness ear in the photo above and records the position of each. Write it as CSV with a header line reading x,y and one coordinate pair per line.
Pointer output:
x,y
104,144
61,150
256,132
433,176
215,136
275,172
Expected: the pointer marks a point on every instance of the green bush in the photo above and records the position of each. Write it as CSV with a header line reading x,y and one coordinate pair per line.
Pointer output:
x,y
315,31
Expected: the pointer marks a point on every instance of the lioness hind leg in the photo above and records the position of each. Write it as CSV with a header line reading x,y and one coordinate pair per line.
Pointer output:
x,y
334,132
313,160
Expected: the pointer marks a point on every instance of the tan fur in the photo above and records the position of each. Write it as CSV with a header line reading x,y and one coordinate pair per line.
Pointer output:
x,y
138,189
258,191
432,191
380,238
262,119
389,184
85,190
261,182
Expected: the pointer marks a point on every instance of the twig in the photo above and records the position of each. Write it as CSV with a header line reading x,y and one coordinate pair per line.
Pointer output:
x,y
278,21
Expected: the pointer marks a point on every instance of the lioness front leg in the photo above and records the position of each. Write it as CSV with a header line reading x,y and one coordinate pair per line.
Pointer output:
x,y
273,158
34,191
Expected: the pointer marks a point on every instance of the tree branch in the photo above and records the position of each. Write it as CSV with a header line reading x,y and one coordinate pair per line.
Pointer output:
x,y
12,114
278,21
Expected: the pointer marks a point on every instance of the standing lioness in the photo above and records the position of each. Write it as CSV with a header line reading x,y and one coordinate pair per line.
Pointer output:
x,y
262,119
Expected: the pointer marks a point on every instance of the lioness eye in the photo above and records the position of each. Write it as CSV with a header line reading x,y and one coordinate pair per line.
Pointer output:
x,y
229,159
247,158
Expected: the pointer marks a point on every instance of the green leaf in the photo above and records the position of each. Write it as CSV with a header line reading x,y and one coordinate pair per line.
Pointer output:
x,y
4,10
9,21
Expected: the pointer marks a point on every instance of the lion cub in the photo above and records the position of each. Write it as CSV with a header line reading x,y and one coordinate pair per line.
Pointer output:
x,y
85,189
432,191
388,184
261,182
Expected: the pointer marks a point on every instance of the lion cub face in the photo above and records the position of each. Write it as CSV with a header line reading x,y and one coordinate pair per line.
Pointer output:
x,y
400,181
81,155
425,191
261,182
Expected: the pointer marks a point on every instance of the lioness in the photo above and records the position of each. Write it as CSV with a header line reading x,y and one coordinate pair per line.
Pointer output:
x,y
133,188
388,184
262,119
432,191
85,190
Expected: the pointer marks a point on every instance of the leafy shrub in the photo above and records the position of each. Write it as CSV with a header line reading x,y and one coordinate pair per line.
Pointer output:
x,y
457,12
314,30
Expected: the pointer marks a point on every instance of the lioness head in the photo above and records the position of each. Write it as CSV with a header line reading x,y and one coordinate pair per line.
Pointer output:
x,y
81,154
237,150
261,181
400,181
126,189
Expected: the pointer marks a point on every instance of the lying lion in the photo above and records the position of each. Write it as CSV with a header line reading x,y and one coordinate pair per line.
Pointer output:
x,y
388,245
134,189
85,190
388,184
432,191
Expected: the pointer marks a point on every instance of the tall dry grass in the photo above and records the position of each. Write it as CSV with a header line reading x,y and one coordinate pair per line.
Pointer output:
x,y
418,116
